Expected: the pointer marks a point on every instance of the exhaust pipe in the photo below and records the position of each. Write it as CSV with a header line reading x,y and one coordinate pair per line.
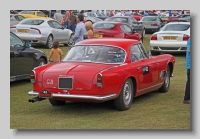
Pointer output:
x,y
36,99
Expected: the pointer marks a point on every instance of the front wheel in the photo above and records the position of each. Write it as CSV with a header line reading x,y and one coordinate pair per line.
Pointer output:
x,y
71,42
41,62
165,87
49,43
125,98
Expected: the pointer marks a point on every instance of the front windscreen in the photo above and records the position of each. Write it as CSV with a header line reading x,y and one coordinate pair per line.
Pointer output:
x,y
97,54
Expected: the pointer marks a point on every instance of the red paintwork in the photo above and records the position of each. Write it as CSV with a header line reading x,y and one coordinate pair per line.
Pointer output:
x,y
137,17
85,73
116,32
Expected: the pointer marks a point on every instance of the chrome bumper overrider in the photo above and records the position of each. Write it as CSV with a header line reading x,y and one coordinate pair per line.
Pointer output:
x,y
102,98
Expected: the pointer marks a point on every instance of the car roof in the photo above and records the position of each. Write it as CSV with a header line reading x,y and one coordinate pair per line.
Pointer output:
x,y
120,42
111,22
46,19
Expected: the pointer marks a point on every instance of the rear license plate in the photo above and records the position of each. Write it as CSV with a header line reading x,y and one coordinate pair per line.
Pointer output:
x,y
65,83
45,94
98,35
170,38
147,24
23,31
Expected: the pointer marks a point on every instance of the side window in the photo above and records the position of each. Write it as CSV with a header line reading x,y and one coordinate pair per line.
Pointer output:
x,y
133,20
50,24
40,14
122,28
128,29
143,51
136,53
56,25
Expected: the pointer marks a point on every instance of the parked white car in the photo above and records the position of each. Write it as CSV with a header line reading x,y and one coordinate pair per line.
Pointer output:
x,y
171,38
42,31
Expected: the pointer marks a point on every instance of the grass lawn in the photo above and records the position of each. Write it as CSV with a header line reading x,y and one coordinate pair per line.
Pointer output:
x,y
150,111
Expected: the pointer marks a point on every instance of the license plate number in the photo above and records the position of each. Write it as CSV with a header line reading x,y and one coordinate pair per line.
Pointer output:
x,y
170,38
23,31
147,24
45,94
97,35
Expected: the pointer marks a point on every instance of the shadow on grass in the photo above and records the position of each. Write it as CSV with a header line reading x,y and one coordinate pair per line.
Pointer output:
x,y
20,82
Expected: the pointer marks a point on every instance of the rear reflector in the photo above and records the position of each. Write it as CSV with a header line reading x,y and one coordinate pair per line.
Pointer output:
x,y
12,26
155,24
99,80
32,76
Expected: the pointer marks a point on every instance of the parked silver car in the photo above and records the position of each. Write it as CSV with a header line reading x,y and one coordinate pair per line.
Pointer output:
x,y
91,19
42,31
15,19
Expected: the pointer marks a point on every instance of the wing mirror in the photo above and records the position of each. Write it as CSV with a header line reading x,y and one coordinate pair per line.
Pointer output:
x,y
28,44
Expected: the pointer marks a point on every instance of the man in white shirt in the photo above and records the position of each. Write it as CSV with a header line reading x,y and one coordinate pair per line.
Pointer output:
x,y
119,13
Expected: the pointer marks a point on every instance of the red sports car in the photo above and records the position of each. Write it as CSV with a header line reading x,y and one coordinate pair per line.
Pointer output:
x,y
98,70
115,30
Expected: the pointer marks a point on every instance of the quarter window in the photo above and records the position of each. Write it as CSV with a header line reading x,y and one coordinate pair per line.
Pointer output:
x,y
136,53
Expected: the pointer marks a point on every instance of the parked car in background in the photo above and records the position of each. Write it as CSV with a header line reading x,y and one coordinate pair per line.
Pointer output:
x,y
33,14
42,31
99,70
23,58
91,19
180,17
115,30
171,38
152,23
15,19
132,22
13,12
101,16
137,16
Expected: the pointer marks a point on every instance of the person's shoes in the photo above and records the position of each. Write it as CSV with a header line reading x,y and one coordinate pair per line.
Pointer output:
x,y
186,101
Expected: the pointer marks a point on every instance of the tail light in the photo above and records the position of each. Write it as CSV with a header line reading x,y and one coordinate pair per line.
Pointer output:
x,y
36,29
155,24
185,37
100,80
12,26
32,76
154,37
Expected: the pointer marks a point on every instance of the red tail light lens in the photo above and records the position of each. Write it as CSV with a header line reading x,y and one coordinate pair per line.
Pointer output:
x,y
185,37
12,26
154,37
155,24
100,80
32,76
36,29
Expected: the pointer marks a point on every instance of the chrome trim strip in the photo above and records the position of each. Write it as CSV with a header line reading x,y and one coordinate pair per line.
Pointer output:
x,y
150,87
107,97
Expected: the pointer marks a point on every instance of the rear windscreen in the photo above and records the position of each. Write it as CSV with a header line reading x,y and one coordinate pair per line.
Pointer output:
x,y
104,25
176,27
32,22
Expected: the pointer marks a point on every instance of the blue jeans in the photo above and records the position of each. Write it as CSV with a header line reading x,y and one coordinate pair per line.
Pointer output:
x,y
72,28
67,24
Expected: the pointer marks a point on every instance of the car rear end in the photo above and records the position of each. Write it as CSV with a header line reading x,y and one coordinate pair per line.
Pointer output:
x,y
104,30
30,30
151,23
172,38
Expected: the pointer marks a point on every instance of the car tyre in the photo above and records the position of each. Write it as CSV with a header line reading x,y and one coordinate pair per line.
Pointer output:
x,y
165,87
125,98
56,102
49,43
41,62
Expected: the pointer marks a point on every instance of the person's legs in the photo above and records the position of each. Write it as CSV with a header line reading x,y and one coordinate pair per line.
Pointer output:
x,y
187,89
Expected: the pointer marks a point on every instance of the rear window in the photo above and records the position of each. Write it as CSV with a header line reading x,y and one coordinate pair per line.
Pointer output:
x,y
149,19
27,12
31,22
119,19
176,27
104,25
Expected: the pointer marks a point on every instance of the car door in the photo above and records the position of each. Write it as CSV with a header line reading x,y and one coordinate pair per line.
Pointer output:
x,y
147,71
21,57
128,32
136,25
59,32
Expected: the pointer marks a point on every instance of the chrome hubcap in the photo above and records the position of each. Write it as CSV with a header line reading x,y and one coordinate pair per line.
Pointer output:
x,y
127,93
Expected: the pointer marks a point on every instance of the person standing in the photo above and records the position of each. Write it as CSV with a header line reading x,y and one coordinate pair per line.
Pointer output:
x,y
80,30
58,16
55,53
187,88
127,13
66,19
111,13
146,13
89,29
72,20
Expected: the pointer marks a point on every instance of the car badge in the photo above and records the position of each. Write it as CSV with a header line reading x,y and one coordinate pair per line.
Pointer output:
x,y
49,81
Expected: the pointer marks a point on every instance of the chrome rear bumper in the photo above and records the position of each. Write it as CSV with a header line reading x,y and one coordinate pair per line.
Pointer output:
x,y
100,98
